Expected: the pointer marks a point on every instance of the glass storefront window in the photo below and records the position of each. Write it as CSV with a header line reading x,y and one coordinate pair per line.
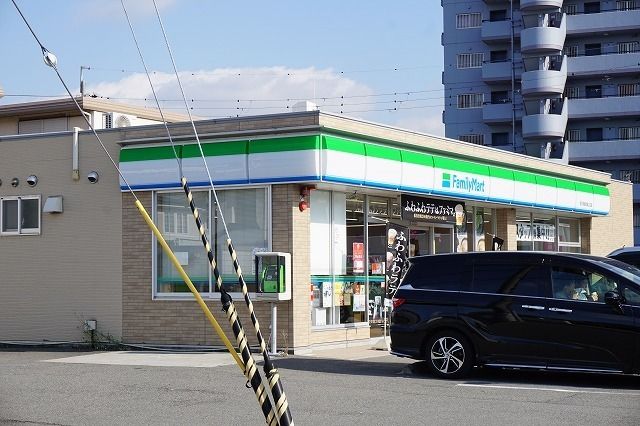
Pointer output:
x,y
246,214
543,233
175,220
523,232
569,235
483,229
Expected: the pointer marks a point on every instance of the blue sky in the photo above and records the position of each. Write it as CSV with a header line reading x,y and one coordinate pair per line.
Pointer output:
x,y
237,58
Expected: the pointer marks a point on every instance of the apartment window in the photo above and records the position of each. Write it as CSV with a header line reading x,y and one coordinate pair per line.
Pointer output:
x,y
627,133
470,60
636,219
594,134
630,175
572,92
499,138
571,51
594,91
498,56
500,97
570,9
470,100
468,20
626,4
472,138
573,135
628,89
592,49
628,47
20,215
498,15
592,7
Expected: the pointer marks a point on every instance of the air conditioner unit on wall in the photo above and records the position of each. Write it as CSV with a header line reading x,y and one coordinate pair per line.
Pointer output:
x,y
112,120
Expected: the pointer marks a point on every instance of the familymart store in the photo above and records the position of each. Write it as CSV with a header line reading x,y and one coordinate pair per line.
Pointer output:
x,y
328,197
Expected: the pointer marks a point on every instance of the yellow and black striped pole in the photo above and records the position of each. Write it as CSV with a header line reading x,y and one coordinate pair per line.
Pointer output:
x,y
271,372
252,373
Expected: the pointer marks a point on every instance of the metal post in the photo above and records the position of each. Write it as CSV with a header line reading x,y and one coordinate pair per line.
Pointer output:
x,y
274,329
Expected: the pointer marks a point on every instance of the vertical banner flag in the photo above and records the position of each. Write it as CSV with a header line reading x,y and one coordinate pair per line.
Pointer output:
x,y
397,254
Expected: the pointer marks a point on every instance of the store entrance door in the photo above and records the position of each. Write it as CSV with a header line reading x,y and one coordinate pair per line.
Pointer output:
x,y
426,239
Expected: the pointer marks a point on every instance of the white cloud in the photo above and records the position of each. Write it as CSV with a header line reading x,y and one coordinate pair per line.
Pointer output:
x,y
229,92
235,91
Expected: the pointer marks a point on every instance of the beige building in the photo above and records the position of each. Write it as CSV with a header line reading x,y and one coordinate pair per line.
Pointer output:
x,y
321,187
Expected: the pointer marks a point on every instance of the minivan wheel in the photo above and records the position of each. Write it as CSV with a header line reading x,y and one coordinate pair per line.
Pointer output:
x,y
449,355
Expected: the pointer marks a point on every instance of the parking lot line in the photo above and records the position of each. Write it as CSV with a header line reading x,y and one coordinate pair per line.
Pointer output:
x,y
473,385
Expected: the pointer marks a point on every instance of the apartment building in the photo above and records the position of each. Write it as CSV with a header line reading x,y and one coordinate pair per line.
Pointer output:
x,y
549,78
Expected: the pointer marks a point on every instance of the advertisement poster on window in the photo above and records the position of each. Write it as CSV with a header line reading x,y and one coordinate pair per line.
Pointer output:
x,y
327,294
358,258
397,254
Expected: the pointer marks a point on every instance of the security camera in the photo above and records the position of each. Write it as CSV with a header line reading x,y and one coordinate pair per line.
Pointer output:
x,y
93,177
32,180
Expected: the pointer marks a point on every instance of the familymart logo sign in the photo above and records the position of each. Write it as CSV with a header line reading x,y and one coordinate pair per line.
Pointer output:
x,y
463,183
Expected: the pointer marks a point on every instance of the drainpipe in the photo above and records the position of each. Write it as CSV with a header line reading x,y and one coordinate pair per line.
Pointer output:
x,y
75,172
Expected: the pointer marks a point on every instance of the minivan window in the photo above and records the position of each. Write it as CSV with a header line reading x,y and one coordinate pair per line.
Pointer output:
x,y
516,279
632,296
578,284
436,275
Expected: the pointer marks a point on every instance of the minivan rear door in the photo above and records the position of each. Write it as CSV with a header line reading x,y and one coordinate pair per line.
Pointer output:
x,y
588,333
505,305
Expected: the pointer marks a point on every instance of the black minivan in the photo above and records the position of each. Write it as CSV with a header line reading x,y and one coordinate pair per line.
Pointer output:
x,y
555,311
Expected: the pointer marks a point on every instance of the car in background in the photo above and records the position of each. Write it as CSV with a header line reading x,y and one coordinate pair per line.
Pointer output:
x,y
630,255
541,310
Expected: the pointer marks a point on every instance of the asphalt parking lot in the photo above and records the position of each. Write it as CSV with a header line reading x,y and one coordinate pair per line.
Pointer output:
x,y
340,387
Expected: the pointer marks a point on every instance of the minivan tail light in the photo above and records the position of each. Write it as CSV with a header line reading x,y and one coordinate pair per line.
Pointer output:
x,y
396,302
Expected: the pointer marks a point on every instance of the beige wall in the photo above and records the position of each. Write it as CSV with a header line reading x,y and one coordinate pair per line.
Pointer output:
x,y
51,283
616,229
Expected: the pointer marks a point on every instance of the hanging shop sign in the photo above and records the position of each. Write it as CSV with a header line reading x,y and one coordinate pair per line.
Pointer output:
x,y
537,232
431,209
397,254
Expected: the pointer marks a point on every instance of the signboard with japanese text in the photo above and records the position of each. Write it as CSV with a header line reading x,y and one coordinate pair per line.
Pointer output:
x,y
397,254
429,209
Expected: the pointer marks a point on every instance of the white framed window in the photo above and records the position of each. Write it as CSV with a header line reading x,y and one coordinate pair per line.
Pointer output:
x,y
573,135
470,100
571,51
628,46
627,133
626,4
472,138
470,60
569,235
630,89
20,215
247,215
468,20
572,92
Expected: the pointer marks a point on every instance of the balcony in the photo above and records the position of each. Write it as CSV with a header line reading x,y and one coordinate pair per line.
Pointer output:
x,y
604,150
544,39
496,31
537,5
549,124
613,106
545,82
499,113
496,71
604,22
617,63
